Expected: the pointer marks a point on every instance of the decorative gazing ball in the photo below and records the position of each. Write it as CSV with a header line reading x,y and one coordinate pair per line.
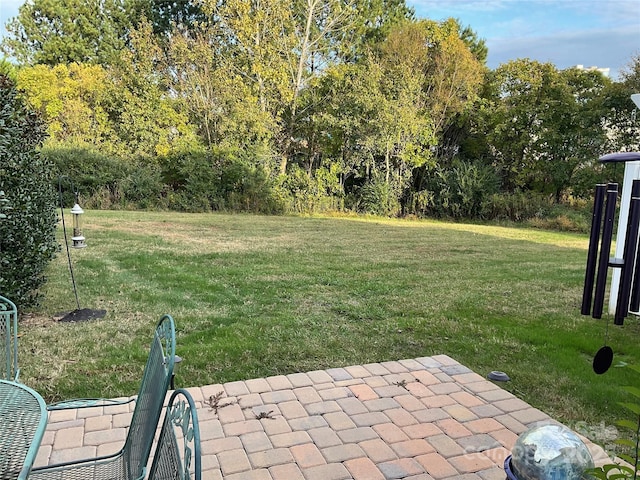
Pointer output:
x,y
548,452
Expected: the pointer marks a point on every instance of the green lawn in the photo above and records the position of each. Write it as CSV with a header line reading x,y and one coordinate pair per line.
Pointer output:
x,y
256,296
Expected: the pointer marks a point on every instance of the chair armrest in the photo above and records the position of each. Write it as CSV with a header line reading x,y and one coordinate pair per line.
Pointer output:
x,y
87,403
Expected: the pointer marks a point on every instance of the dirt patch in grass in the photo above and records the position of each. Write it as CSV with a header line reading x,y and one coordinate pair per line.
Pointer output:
x,y
35,320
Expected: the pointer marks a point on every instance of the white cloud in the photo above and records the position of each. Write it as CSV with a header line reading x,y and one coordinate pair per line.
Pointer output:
x,y
605,33
625,12
602,48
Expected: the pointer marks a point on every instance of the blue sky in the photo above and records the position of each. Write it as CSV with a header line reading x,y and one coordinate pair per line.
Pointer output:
x,y
605,33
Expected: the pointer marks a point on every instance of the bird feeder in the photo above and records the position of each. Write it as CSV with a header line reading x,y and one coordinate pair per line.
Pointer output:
x,y
77,238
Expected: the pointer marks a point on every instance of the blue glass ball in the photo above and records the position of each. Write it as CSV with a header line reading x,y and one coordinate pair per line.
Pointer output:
x,y
550,452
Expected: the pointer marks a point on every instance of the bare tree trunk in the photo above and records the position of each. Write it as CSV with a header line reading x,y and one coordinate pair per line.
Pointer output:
x,y
387,162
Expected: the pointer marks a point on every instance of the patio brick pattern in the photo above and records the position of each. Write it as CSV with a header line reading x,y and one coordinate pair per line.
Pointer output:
x,y
427,418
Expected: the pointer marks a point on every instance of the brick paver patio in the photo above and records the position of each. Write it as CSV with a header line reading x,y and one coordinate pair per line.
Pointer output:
x,y
421,419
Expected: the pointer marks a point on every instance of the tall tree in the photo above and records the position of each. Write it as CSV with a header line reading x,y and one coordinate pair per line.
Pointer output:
x,y
405,117
374,20
631,73
72,100
258,35
574,134
543,124
476,45
449,74
168,15
621,118
65,31
385,114
454,75
280,46
216,96
145,117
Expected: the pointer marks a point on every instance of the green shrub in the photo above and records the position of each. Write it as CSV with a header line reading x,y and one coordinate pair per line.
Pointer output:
x,y
585,179
252,189
221,179
28,200
517,207
457,192
380,197
320,192
143,187
97,177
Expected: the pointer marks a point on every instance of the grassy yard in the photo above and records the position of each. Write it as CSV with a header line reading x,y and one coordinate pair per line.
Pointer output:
x,y
256,296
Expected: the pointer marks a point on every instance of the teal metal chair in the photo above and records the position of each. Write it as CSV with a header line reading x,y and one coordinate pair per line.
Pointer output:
x,y
179,431
9,338
23,419
130,462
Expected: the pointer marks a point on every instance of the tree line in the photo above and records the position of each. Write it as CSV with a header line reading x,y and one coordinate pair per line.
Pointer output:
x,y
308,105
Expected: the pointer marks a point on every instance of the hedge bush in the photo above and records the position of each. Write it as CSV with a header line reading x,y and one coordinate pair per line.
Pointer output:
x,y
28,200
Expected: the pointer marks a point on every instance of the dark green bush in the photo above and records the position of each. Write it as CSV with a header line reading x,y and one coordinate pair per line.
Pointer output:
x,y
222,179
460,191
28,200
254,192
321,192
585,179
379,197
143,187
97,177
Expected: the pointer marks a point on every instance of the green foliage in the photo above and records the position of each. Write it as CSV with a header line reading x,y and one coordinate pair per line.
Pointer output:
x,y
461,191
73,100
630,444
67,31
305,193
592,173
214,95
27,201
631,74
517,206
379,197
221,179
96,176
477,46
622,120
8,69
143,187
373,22
319,96
169,15
146,119
107,181
542,124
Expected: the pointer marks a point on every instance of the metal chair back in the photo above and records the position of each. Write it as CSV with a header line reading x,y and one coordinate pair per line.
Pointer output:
x,y
153,390
180,433
9,338
130,462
